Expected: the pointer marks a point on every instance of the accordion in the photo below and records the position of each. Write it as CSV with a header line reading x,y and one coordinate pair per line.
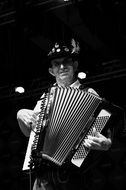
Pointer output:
x,y
67,117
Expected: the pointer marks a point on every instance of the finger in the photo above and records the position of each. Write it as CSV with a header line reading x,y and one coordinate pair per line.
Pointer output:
x,y
33,120
91,144
35,116
95,132
96,139
87,144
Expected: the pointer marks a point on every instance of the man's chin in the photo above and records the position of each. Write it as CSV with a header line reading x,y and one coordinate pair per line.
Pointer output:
x,y
64,77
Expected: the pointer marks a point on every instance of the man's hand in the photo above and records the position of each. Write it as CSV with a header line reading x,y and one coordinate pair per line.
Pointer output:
x,y
28,117
97,141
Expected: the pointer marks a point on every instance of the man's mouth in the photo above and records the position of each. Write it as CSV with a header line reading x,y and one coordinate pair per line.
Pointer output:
x,y
64,73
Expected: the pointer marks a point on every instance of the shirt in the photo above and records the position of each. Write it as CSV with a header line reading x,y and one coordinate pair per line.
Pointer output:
x,y
76,84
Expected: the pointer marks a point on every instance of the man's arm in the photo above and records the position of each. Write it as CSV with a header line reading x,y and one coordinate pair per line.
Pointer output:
x,y
26,119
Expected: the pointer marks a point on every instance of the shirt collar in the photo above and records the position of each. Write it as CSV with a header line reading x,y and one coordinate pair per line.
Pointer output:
x,y
76,84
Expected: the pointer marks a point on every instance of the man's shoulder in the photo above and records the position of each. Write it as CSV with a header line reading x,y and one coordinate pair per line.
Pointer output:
x,y
88,89
91,90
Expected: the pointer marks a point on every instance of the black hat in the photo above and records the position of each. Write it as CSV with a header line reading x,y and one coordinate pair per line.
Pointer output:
x,y
64,51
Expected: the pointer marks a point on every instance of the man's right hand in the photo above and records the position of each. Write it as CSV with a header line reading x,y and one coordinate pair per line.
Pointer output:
x,y
26,119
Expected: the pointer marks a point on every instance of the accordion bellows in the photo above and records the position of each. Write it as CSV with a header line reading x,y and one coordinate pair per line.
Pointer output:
x,y
70,119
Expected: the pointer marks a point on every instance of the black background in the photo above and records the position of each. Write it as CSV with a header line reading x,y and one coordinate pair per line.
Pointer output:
x,y
28,29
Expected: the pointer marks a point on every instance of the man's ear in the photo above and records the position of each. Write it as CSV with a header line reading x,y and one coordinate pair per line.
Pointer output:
x,y
51,71
75,65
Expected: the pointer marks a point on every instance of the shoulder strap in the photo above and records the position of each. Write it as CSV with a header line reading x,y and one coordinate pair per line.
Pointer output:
x,y
83,87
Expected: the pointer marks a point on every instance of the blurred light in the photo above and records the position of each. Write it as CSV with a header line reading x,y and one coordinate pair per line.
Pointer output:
x,y
19,89
81,75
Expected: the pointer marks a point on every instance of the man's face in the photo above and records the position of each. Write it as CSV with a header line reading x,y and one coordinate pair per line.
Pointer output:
x,y
63,69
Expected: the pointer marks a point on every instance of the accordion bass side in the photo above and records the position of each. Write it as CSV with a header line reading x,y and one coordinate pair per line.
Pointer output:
x,y
72,115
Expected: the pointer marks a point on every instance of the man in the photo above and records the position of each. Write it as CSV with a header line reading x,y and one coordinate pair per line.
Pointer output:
x,y
63,66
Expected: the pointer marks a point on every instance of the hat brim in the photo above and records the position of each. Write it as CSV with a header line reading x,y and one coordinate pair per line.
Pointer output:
x,y
59,55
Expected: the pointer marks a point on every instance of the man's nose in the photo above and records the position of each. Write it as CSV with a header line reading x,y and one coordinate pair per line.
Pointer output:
x,y
62,66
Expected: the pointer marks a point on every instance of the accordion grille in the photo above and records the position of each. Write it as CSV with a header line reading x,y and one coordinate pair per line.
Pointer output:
x,y
70,112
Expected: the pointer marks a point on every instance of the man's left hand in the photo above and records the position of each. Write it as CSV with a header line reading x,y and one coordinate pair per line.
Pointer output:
x,y
98,141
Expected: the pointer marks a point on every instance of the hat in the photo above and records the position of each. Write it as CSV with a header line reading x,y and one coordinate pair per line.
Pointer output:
x,y
64,51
